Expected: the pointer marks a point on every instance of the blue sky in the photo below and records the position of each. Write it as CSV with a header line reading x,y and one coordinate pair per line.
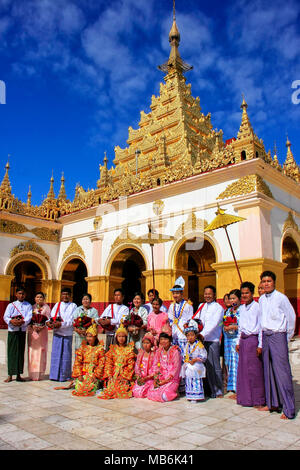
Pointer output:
x,y
78,72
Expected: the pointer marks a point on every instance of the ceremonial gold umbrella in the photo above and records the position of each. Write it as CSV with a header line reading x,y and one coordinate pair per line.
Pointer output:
x,y
222,221
153,238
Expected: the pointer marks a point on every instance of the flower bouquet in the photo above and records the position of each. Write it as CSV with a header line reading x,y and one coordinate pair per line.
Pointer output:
x,y
82,323
133,320
51,321
38,319
230,320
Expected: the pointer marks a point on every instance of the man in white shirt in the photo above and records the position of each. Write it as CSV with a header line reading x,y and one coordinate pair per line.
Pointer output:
x,y
250,385
17,316
278,325
61,321
112,316
152,294
211,315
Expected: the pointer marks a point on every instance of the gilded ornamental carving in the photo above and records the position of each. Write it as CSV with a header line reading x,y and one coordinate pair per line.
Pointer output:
x,y
74,249
246,185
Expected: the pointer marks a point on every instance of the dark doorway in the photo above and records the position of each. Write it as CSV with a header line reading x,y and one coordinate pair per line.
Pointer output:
x,y
73,276
29,276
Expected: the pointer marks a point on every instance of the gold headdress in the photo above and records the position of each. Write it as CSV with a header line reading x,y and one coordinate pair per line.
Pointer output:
x,y
93,329
122,329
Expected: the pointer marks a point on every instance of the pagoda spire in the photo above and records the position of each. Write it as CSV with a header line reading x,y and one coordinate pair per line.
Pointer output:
x,y
290,166
51,194
29,194
275,163
175,62
5,185
245,127
62,196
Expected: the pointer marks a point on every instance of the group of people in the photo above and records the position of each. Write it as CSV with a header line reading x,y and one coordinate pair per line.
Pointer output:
x,y
158,353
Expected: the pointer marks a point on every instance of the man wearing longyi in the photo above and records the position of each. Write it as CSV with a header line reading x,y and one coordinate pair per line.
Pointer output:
x,y
278,325
61,321
17,316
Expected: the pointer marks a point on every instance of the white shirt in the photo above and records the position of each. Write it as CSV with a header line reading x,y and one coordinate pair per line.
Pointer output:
x,y
13,310
184,316
249,321
66,312
211,317
277,313
120,312
149,308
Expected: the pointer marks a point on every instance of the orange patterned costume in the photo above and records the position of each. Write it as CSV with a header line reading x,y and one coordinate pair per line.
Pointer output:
x,y
89,364
119,370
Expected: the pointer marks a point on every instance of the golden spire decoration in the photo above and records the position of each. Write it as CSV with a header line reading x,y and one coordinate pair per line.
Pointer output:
x,y
245,127
290,166
29,194
5,185
175,62
275,163
222,221
51,194
62,196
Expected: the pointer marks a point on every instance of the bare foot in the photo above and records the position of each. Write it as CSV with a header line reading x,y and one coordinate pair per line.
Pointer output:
x,y
220,396
9,379
233,397
283,416
261,408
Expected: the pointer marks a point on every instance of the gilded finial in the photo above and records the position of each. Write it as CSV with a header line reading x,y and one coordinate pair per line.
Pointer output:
x,y
62,191
29,197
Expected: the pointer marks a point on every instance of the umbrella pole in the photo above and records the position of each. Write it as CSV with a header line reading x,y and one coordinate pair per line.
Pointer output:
x,y
153,277
237,268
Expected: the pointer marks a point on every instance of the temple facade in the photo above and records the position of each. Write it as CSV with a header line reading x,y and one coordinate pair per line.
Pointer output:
x,y
152,208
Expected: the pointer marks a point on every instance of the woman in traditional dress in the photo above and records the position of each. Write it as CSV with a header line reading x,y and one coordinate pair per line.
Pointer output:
x,y
165,371
38,338
84,310
136,333
230,329
193,369
89,364
156,319
119,368
143,366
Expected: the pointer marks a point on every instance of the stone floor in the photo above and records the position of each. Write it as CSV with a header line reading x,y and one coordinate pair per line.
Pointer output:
x,y
35,416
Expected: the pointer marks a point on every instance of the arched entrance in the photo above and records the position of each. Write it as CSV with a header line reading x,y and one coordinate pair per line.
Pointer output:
x,y
195,267
29,276
73,276
126,272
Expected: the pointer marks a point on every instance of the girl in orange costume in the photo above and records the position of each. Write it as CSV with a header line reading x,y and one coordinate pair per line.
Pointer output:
x,y
119,368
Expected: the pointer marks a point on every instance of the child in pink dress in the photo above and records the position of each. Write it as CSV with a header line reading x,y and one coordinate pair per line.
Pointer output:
x,y
165,371
143,366
156,319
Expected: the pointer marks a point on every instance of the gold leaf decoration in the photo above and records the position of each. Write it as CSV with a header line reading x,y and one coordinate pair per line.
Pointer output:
x,y
29,246
125,237
290,223
8,226
158,207
46,234
246,185
73,249
192,224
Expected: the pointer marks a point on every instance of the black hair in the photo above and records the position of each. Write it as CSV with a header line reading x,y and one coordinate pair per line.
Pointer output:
x,y
268,274
248,285
66,289
212,288
225,295
165,335
119,289
153,291
87,295
40,293
140,294
158,299
19,288
235,292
